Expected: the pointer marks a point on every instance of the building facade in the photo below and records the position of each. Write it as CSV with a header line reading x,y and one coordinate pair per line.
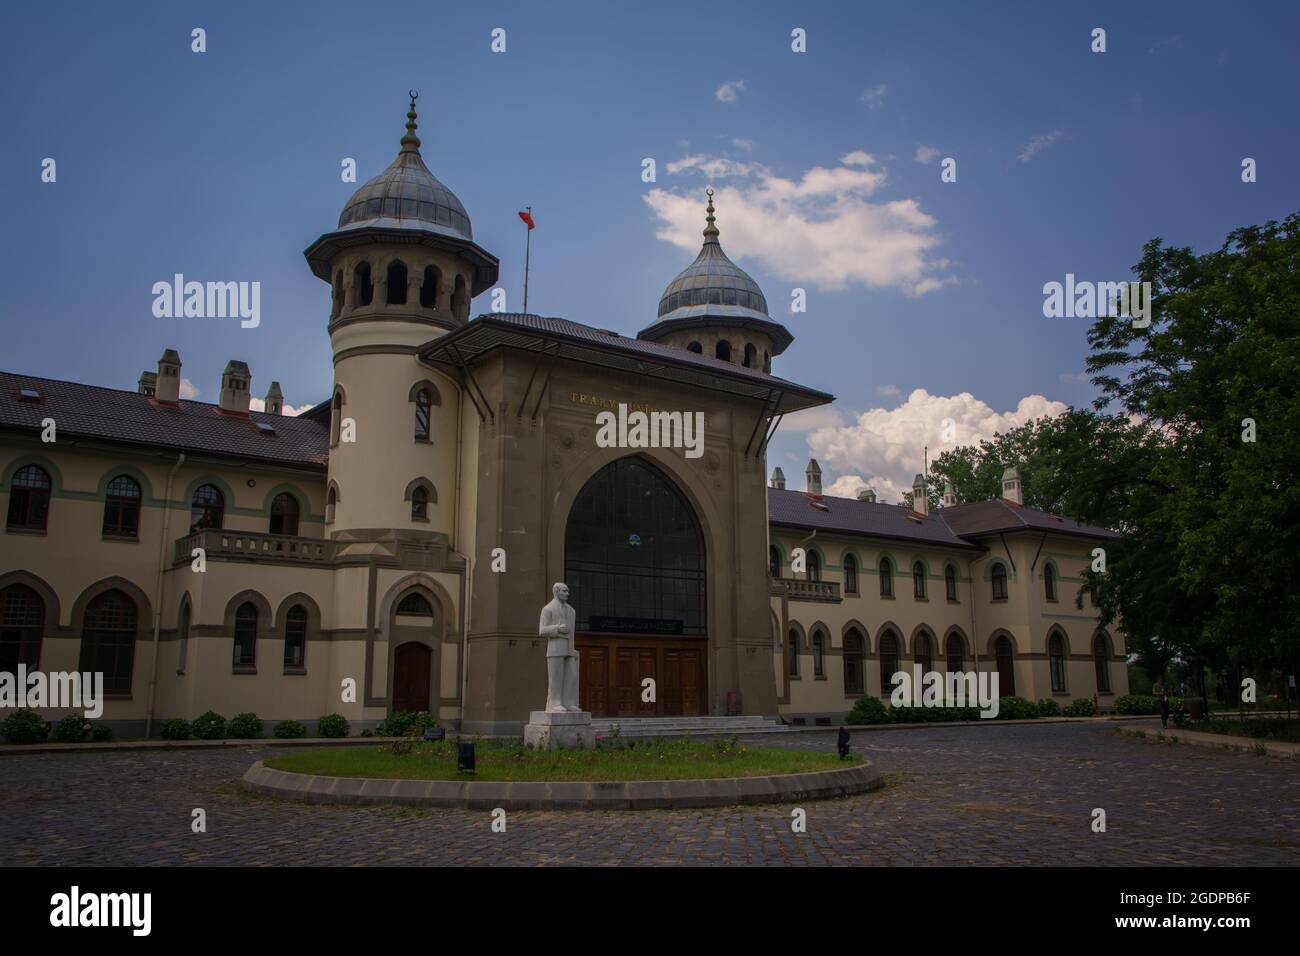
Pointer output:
x,y
390,548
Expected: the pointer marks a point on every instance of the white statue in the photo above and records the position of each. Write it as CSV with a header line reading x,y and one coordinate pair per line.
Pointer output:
x,y
557,626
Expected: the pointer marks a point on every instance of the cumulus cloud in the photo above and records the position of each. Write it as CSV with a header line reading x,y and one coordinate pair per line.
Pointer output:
x,y
1038,144
730,91
819,229
746,144
259,405
925,155
809,419
882,448
889,391
874,96
189,390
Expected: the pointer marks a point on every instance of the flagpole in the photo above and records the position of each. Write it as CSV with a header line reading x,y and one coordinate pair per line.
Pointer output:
x,y
528,248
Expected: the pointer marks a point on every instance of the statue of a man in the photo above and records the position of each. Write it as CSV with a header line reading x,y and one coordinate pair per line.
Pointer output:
x,y
557,625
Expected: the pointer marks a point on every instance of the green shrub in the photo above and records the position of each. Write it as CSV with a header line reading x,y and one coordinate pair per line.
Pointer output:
x,y
1048,708
245,726
288,729
71,729
1016,708
1135,704
406,723
868,710
332,725
101,733
175,729
1081,707
24,726
366,732
210,726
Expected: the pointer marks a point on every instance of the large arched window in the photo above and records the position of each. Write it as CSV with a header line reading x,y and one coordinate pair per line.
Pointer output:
x,y
429,288
814,566
423,403
363,287
695,347
396,283
331,503
336,418
295,636
1056,661
122,508
633,549
950,582
1100,660
722,350
792,653
1049,582
819,653
774,561
245,635
853,655
886,578
22,623
850,574
1006,671
207,508
414,604
750,355
999,581
284,514
918,580
923,653
108,639
29,499
956,653
888,662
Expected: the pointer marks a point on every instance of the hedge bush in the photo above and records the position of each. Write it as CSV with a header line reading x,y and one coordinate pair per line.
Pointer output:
x,y
24,726
71,729
175,729
210,726
287,729
332,725
868,710
1048,708
406,723
1081,707
101,733
1132,704
1016,708
245,726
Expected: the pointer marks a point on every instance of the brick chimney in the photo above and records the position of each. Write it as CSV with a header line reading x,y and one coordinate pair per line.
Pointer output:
x,y
167,385
275,400
778,479
949,496
234,388
814,476
148,383
1011,489
920,496
866,494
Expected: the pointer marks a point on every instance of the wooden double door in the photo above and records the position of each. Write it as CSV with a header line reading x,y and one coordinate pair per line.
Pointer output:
x,y
612,671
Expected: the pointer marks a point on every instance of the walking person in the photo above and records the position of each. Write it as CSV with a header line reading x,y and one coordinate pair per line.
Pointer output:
x,y
1162,698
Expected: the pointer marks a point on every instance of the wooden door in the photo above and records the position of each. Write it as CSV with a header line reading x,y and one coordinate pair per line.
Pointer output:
x,y
411,677
613,669
593,679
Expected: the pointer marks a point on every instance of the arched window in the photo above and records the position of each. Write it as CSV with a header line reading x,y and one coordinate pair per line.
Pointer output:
x,y
122,508
207,508
750,354
999,582
956,654
295,636
767,361
918,580
22,623
1006,672
950,582
774,561
429,288
814,566
819,654
419,503
1049,582
336,418
183,634
852,663
29,499
363,288
331,502
695,347
722,350
336,304
460,299
1092,595
422,406
888,662
108,639
245,635
792,653
850,574
284,514
415,605
1101,662
396,282
886,578
1056,660
923,653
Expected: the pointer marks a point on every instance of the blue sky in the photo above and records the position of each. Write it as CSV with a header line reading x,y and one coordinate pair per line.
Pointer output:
x,y
225,165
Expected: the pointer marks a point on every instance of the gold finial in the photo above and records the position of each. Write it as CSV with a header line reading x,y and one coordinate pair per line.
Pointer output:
x,y
710,230
411,142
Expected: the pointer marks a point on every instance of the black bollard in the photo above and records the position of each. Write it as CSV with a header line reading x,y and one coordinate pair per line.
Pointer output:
x,y
843,743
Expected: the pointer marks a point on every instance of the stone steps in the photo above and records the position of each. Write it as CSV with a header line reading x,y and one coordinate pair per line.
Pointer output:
x,y
685,726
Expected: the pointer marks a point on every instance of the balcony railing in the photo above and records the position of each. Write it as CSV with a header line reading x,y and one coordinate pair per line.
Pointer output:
x,y
250,545
800,590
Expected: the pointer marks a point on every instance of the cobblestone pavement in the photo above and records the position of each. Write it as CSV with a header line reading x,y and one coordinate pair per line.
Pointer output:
x,y
996,795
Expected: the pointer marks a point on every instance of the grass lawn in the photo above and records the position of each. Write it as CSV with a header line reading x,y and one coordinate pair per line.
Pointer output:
x,y
501,760
1258,728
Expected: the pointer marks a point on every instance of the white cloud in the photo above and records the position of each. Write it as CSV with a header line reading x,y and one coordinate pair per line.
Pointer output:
x,y
874,96
189,390
824,416
889,391
820,229
730,91
1038,144
259,405
925,155
1076,378
883,447
746,144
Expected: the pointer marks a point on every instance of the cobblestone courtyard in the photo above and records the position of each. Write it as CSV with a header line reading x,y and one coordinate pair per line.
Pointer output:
x,y
989,795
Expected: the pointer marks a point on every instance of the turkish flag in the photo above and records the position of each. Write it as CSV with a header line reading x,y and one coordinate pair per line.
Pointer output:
x,y
528,218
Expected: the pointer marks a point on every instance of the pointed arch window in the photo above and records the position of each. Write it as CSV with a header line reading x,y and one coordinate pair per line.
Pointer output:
x,y
999,582
336,417
888,662
122,508
331,503
429,288
336,304
22,624
396,283
750,354
923,653
29,499
246,635
284,514
792,653
774,562
950,582
886,578
814,566
1006,672
423,404
419,503
295,636
819,654
852,663
1049,582
850,574
108,639
207,508
918,580
956,654
1056,661
415,605
1100,661
363,287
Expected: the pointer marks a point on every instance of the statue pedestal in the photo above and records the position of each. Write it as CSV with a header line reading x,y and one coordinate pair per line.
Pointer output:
x,y
559,731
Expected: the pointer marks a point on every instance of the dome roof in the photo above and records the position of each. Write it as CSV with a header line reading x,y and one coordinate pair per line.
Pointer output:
x,y
407,196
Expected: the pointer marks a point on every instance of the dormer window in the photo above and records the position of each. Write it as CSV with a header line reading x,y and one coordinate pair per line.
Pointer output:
x,y
28,395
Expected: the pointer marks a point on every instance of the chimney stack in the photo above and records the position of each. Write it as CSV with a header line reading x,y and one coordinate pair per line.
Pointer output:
x,y
148,383
275,400
167,384
949,496
920,496
866,494
778,479
1011,489
234,388
814,476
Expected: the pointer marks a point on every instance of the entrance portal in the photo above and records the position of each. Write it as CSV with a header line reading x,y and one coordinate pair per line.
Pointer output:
x,y
411,677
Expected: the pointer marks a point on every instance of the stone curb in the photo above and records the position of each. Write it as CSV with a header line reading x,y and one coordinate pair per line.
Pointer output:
x,y
1246,745
564,795
853,728
111,746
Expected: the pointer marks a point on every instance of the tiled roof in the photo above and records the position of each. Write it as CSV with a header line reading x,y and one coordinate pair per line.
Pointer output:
x,y
851,516
88,411
999,514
